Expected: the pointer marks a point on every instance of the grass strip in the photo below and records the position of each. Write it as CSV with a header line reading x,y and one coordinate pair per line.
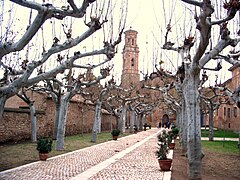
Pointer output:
x,y
220,133
226,147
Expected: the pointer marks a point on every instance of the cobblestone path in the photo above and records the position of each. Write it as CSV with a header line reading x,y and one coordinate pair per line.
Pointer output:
x,y
130,157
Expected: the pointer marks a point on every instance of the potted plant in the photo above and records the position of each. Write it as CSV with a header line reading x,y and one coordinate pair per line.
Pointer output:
x,y
145,126
115,133
170,137
44,146
162,151
175,131
135,129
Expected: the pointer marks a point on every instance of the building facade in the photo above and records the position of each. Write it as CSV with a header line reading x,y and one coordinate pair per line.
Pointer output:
x,y
228,115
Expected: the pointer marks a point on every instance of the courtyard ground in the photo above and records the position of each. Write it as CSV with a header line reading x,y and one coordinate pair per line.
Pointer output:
x,y
215,166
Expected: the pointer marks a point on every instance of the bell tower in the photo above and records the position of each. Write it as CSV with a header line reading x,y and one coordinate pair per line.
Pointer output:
x,y
130,75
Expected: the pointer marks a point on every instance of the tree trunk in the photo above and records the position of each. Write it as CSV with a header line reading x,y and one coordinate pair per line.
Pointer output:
x,y
194,152
82,122
33,122
124,111
211,132
118,123
97,117
144,119
56,120
141,122
184,127
2,104
62,122
132,121
96,122
137,121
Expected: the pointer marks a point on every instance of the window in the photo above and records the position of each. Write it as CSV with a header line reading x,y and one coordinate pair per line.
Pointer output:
x,y
235,111
132,41
128,40
229,112
224,111
132,62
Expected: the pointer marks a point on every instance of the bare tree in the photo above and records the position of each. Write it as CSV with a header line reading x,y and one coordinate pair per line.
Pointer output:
x,y
212,100
196,52
23,95
93,14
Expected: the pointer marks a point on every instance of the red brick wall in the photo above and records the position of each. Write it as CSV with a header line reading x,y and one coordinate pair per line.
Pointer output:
x,y
15,126
229,121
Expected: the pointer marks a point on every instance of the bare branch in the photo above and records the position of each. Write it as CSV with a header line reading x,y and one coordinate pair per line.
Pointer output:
x,y
217,49
229,17
196,3
73,5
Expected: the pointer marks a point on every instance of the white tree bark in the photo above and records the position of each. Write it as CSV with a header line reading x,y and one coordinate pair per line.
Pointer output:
x,y
137,121
2,104
56,120
132,121
140,120
62,122
56,99
194,151
33,122
97,121
123,118
184,127
211,126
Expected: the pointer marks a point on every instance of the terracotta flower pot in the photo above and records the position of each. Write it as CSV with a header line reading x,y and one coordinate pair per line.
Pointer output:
x,y
171,145
43,156
165,165
115,138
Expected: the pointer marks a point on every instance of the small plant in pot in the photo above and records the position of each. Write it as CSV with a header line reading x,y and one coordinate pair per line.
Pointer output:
x,y
44,146
115,133
170,137
175,131
135,129
162,151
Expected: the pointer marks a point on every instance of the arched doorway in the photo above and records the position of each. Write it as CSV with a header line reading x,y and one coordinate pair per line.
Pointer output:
x,y
165,120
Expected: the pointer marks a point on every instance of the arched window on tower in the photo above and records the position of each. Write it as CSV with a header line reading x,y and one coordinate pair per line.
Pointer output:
x,y
132,62
132,41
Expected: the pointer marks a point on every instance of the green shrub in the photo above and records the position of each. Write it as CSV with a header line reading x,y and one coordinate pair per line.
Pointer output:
x,y
175,131
115,132
44,145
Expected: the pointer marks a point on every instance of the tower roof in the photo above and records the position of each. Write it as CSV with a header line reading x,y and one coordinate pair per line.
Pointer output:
x,y
130,31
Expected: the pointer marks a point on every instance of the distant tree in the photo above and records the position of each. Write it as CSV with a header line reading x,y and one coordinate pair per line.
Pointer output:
x,y
23,95
211,100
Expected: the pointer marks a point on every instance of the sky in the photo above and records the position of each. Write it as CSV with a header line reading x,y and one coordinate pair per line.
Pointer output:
x,y
149,18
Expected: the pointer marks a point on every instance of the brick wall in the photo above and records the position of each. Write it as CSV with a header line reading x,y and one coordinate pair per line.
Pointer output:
x,y
16,125
227,116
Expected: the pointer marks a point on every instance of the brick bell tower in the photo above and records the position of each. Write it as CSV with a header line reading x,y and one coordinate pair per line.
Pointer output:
x,y
130,75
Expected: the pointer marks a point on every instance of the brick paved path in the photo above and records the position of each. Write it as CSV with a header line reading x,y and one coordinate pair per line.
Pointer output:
x,y
130,157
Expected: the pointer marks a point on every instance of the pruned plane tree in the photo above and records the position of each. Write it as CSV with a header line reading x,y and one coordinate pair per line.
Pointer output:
x,y
54,40
210,38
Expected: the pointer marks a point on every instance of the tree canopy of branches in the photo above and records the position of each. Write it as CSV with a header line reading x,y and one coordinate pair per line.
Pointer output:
x,y
27,56
196,50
